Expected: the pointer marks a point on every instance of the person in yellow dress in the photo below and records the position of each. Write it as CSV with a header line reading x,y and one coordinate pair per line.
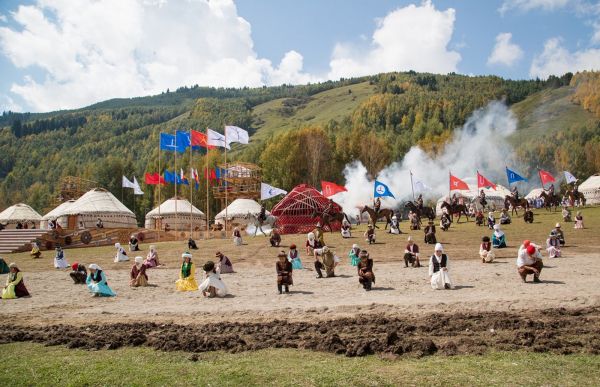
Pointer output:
x,y
187,275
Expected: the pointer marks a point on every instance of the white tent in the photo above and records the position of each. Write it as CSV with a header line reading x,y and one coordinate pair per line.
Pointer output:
x,y
534,194
98,204
56,214
493,197
238,210
179,220
591,189
19,213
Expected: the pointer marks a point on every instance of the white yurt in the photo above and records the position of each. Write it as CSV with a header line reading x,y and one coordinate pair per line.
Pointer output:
x,y
534,194
177,220
591,189
20,213
493,197
56,214
238,210
98,204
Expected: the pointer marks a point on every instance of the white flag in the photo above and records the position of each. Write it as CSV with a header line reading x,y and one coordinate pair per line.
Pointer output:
x,y
268,191
126,183
420,186
235,134
136,187
570,178
216,139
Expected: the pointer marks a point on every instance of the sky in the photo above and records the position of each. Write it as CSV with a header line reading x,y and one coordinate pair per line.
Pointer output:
x,y
64,54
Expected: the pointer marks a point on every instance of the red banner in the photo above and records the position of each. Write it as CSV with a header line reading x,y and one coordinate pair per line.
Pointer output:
x,y
330,189
482,182
457,184
199,139
546,177
153,179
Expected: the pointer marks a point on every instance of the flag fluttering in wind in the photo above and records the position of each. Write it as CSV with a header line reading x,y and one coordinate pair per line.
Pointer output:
x,y
419,186
169,177
268,191
546,177
216,139
513,176
168,142
153,179
236,134
137,190
199,140
183,140
483,182
457,184
570,178
126,183
330,189
382,190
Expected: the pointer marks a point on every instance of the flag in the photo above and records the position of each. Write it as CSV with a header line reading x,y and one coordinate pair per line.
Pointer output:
x,y
483,182
570,178
513,176
182,140
199,140
457,184
381,190
181,179
136,187
153,179
419,186
546,177
169,177
168,142
125,183
268,191
330,189
195,177
235,134
216,139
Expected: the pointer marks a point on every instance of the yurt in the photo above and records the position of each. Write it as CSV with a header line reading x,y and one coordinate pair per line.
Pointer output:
x,y
176,213
238,210
98,204
591,189
493,197
20,213
295,211
57,214
533,197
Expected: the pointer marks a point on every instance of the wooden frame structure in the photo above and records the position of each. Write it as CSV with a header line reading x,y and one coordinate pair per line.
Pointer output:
x,y
237,181
72,187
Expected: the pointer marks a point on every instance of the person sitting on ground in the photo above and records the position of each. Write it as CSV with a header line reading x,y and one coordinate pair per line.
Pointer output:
x,y
152,258
60,261
430,233
328,262
138,276
528,216
579,221
192,244
553,246
187,275
415,222
237,237
370,234
212,286
4,269
99,223
319,236
479,218
504,217
559,234
529,262
353,254
485,250
491,220
293,256
394,226
167,227
121,255
312,243
346,229
498,238
97,283
15,286
78,273
133,243
366,277
275,239
411,254
224,265
471,211
284,269
438,269
35,250
566,214
445,222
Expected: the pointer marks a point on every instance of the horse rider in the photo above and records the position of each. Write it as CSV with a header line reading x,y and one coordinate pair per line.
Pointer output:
x,y
575,191
329,208
515,193
550,191
454,199
263,214
482,198
377,205
420,202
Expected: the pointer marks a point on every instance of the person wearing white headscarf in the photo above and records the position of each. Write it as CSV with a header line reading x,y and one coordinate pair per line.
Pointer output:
x,y
346,229
553,246
152,258
96,282
354,255
138,276
60,262
312,243
121,254
498,238
438,269
187,275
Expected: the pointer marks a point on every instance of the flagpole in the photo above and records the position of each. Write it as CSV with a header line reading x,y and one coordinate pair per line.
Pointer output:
x,y
176,214
412,187
159,184
206,173
449,185
226,188
191,185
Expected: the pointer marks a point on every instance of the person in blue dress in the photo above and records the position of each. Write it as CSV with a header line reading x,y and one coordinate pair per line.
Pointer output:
x,y
294,257
353,254
498,237
96,282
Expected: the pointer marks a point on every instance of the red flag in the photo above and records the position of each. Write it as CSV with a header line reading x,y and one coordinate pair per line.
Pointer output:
x,y
199,139
330,189
457,184
153,179
546,177
483,182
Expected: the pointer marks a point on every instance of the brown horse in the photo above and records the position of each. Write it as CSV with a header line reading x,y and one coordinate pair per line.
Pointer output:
x,y
454,209
550,202
426,211
383,213
511,202
578,198
327,219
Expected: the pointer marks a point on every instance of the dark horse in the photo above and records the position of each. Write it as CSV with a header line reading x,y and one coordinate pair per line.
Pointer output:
x,y
327,219
426,211
383,213
578,199
510,201
550,202
454,209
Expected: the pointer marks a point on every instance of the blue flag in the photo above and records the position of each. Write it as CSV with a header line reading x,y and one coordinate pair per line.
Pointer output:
x,y
513,177
183,140
170,142
382,190
169,177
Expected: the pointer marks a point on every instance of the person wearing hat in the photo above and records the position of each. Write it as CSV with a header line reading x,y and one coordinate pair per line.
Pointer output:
x,y
559,234
429,231
504,217
137,275
78,273
438,269
411,254
152,258
275,239
366,277
133,243
553,246
370,234
485,250
15,287
445,221
212,286
121,254
187,275
284,269
498,238
328,262
528,216
35,250
224,265
293,256
491,220
97,283
353,254
579,221
318,232
59,258
529,261
346,229
394,226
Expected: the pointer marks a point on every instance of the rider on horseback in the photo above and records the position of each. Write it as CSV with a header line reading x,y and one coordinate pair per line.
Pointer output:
x,y
551,191
263,214
377,205
420,202
482,198
329,208
454,199
515,193
575,191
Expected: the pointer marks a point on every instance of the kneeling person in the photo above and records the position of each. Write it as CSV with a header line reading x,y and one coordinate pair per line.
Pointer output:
x,y
366,277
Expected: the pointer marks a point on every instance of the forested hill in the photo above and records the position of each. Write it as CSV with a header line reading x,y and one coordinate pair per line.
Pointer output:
x,y
308,131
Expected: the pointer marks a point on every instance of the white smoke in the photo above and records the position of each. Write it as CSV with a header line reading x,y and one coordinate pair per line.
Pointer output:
x,y
480,145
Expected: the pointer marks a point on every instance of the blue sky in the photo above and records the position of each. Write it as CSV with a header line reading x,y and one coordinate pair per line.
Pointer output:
x,y
73,53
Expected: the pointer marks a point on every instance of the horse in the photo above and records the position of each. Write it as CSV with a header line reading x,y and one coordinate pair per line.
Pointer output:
x,y
479,204
549,202
258,223
383,213
454,209
327,219
512,202
426,211
578,199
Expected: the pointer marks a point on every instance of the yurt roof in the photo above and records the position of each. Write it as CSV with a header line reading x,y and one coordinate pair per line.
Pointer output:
x,y
592,183
98,201
240,207
301,199
168,208
19,212
534,193
58,211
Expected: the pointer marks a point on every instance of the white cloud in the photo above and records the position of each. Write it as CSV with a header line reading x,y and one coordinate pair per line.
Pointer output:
x,y
596,36
557,60
92,50
528,5
3,18
8,104
409,38
505,52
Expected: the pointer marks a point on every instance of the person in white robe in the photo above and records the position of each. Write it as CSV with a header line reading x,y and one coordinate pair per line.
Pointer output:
x,y
394,226
212,286
438,269
553,246
60,262
121,254
346,229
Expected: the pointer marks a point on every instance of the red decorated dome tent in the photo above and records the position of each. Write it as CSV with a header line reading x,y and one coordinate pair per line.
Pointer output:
x,y
294,212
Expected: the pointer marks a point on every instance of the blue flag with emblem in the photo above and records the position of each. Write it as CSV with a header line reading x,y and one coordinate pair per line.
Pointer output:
x,y
168,142
513,176
182,141
382,190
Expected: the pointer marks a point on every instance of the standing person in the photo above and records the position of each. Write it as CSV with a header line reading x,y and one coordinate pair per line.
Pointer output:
x,y
35,250
429,231
152,258
366,277
59,258
187,275
212,286
97,283
237,237
78,273
133,243
529,262
329,262
553,246
485,250
411,254
284,272
294,257
438,269
224,265
121,254
15,286
579,221
137,275
354,255
370,234
275,239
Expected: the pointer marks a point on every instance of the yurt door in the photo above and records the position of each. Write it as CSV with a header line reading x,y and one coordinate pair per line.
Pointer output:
x,y
157,224
72,222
